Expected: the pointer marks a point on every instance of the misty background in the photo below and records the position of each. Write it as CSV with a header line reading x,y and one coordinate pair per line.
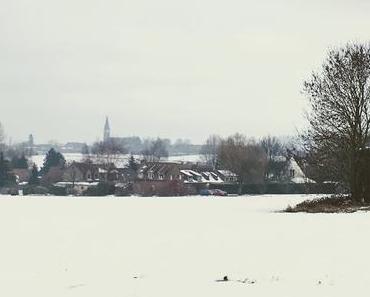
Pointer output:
x,y
164,68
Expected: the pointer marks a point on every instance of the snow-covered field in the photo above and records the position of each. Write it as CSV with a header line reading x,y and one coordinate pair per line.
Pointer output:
x,y
171,247
120,161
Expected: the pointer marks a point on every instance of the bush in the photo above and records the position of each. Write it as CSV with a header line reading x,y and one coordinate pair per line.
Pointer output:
x,y
331,204
127,190
35,190
279,188
58,191
102,189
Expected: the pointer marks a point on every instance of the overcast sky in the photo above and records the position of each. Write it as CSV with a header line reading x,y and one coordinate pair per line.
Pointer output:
x,y
164,68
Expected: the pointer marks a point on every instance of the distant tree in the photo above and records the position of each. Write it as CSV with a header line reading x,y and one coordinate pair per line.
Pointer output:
x,y
210,150
6,177
53,159
156,151
245,158
275,152
2,138
34,178
180,143
132,164
339,115
53,175
109,151
272,146
19,162
85,149
132,144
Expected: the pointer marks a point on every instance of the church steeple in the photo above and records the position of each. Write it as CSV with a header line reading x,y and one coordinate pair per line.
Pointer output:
x,y
106,130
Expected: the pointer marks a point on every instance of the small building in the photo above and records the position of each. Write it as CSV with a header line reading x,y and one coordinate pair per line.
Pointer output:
x,y
295,173
160,171
287,169
227,176
21,175
187,173
76,188
81,172
90,172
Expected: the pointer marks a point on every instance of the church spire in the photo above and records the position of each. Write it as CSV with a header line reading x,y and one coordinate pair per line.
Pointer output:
x,y
106,129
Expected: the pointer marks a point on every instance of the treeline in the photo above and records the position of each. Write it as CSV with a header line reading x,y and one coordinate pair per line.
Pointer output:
x,y
138,146
54,163
254,161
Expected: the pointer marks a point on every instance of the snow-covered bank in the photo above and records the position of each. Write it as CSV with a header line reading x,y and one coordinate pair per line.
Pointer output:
x,y
179,247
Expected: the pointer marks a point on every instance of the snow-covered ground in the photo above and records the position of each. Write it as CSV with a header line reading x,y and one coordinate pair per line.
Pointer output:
x,y
171,247
121,161
39,159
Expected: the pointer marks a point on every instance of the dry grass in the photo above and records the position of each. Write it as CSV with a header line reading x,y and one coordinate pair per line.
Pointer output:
x,y
332,204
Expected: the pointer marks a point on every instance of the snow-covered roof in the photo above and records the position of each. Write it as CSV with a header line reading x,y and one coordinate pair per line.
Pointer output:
x,y
195,173
62,184
298,172
186,172
302,180
212,177
227,173
202,177
279,158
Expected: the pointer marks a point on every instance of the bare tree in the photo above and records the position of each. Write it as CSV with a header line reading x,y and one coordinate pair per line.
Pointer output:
x,y
108,152
245,158
209,151
274,150
339,118
156,150
272,146
2,138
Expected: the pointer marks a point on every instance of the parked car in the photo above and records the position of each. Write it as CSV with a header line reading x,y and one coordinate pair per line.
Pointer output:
x,y
218,192
213,192
205,192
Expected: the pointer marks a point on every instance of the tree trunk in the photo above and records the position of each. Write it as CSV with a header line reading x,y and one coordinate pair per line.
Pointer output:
x,y
240,189
355,181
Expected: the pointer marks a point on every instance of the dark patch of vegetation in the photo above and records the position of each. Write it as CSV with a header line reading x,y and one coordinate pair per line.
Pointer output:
x,y
35,190
58,191
6,178
102,189
53,159
331,204
19,162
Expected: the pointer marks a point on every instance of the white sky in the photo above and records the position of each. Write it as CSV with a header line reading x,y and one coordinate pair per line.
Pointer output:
x,y
164,68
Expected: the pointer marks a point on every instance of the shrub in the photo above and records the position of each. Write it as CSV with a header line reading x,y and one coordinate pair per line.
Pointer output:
x,y
102,189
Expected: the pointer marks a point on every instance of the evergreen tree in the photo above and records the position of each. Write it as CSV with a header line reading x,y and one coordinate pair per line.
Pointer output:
x,y
132,164
5,176
19,163
53,159
34,178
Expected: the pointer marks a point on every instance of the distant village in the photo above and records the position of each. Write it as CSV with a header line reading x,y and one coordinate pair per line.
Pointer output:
x,y
130,166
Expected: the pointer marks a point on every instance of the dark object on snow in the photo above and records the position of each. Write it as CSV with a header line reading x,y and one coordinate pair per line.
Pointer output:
x,y
225,279
331,204
247,281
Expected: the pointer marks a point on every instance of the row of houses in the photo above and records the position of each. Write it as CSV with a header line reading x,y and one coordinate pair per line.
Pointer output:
x,y
148,177
78,177
187,173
